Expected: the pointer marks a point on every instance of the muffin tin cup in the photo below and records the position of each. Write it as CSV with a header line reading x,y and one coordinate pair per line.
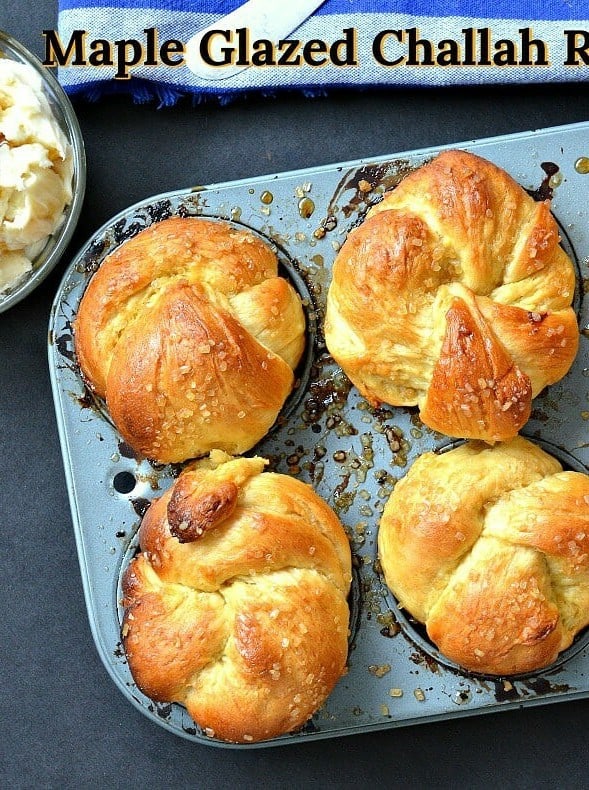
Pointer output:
x,y
416,632
327,435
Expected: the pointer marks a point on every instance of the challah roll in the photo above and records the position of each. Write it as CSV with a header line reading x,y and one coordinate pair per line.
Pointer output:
x,y
191,337
454,295
236,607
489,548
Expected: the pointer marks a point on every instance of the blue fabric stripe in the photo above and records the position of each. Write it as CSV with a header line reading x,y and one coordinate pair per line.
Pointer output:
x,y
190,6
496,9
437,19
499,9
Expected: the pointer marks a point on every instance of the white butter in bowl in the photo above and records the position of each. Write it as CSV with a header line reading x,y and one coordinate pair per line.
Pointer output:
x,y
42,172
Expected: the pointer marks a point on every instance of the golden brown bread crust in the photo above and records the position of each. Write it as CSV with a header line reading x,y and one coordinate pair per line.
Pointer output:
x,y
191,337
454,295
489,547
246,621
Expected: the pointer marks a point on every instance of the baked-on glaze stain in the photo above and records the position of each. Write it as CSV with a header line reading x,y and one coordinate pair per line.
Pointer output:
x,y
545,191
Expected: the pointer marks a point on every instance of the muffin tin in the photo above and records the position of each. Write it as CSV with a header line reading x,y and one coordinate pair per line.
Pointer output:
x,y
327,435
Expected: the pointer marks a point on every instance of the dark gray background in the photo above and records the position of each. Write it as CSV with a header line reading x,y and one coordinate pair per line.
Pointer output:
x,y
64,724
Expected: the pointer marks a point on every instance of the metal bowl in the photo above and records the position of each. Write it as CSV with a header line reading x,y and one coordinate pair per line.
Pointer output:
x,y
65,115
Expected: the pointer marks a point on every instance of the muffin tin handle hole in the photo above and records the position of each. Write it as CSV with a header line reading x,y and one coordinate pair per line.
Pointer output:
x,y
124,482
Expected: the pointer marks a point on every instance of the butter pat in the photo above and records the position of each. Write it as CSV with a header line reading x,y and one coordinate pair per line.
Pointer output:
x,y
36,170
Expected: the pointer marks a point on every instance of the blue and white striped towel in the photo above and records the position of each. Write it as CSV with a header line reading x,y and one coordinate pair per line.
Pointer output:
x,y
489,26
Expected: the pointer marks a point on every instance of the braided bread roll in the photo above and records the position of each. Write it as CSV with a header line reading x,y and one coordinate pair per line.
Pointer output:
x,y
236,607
454,295
191,337
489,548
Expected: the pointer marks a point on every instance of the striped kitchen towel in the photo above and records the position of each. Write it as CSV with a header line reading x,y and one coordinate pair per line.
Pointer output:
x,y
164,49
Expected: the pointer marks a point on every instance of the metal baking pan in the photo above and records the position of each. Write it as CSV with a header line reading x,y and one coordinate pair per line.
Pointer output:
x,y
328,435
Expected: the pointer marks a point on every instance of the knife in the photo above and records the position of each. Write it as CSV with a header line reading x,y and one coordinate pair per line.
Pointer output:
x,y
264,19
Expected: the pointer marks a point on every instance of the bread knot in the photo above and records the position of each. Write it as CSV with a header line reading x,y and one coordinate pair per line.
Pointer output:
x,y
489,548
455,296
191,337
246,621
